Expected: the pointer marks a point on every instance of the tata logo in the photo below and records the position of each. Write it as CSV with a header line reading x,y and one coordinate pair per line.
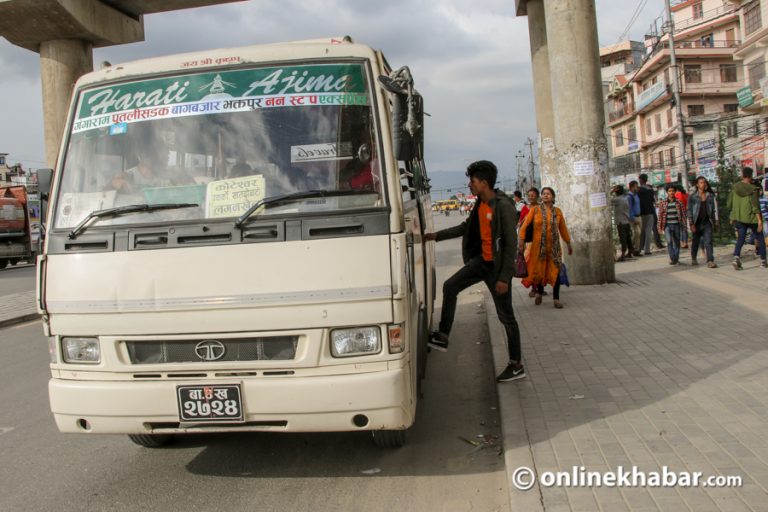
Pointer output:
x,y
210,350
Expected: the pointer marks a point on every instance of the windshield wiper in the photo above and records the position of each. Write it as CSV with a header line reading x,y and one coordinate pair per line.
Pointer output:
x,y
304,194
123,210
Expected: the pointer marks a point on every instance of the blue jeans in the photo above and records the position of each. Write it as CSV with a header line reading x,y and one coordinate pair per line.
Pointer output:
x,y
742,228
703,236
672,232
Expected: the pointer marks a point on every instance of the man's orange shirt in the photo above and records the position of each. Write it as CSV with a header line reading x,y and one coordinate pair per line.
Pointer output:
x,y
486,216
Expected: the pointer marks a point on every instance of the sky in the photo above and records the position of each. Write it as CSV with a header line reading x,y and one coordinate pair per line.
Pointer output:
x,y
470,60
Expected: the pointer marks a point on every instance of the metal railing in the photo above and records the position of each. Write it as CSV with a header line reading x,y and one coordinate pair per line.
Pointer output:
x,y
622,112
700,44
706,16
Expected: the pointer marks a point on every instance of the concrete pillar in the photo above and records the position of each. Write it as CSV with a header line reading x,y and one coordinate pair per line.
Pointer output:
x,y
580,174
62,62
542,91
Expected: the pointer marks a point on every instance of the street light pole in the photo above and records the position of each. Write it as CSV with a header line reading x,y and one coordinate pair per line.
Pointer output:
x,y
676,91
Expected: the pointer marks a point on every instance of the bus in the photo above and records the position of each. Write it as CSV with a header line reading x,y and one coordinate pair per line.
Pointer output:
x,y
236,243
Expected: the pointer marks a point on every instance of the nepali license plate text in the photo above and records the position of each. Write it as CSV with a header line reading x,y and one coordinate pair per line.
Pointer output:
x,y
209,404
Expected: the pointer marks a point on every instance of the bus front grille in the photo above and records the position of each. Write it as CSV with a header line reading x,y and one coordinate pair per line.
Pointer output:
x,y
278,348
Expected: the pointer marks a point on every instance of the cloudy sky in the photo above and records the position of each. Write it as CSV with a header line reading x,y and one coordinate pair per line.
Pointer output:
x,y
470,60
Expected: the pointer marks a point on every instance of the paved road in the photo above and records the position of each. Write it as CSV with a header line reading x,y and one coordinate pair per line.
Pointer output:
x,y
44,470
17,279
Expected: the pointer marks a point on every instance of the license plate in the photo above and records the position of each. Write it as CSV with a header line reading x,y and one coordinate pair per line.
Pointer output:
x,y
208,404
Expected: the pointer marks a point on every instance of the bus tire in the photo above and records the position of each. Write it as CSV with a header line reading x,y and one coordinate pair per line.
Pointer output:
x,y
3,263
389,438
150,440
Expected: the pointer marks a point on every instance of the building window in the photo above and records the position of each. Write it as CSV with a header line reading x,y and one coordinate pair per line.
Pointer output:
x,y
671,156
732,129
659,159
757,128
618,136
756,73
669,118
666,76
695,110
730,37
693,73
698,11
731,108
648,130
728,73
631,134
657,122
752,19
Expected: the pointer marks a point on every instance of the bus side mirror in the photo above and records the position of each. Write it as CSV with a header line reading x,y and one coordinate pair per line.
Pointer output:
x,y
44,178
408,133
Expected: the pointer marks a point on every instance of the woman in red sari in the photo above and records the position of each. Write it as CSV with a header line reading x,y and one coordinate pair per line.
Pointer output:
x,y
545,255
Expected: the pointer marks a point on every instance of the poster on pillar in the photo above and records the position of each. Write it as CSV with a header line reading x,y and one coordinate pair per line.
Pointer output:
x,y
584,168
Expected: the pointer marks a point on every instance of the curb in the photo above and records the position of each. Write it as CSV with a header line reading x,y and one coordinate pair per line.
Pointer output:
x,y
516,441
19,320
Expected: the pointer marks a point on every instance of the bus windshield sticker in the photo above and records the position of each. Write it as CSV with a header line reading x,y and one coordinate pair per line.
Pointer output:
x,y
321,152
221,92
233,197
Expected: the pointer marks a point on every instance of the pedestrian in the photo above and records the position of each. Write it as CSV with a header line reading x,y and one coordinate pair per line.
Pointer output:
x,y
636,219
545,256
672,220
660,194
703,220
621,216
682,196
764,213
489,248
744,206
527,236
517,196
647,212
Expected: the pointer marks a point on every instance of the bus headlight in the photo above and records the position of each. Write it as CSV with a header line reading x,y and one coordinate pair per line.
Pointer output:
x,y
355,341
80,350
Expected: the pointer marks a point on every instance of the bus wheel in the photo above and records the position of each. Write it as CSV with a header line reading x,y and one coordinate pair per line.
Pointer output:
x,y
150,440
389,438
3,263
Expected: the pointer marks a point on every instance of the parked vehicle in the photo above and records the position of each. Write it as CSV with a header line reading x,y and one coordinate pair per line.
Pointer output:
x,y
19,234
236,244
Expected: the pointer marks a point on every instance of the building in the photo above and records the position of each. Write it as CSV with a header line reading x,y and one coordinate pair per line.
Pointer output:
x,y
643,123
751,56
617,62
4,169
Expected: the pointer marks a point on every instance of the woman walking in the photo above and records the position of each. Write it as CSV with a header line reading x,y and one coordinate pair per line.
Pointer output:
x,y
523,239
703,219
545,256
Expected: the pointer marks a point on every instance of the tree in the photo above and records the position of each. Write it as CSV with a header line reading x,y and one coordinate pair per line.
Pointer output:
x,y
727,175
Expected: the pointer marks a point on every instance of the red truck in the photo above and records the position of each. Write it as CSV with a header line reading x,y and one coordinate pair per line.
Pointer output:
x,y
19,239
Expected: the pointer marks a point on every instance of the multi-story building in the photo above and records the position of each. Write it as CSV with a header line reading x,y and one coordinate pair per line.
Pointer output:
x,y
752,55
707,35
617,62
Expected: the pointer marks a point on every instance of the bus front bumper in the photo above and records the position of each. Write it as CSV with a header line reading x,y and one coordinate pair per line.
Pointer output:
x,y
289,404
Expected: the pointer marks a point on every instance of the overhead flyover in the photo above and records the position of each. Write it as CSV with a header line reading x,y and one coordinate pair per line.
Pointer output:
x,y
569,116
64,33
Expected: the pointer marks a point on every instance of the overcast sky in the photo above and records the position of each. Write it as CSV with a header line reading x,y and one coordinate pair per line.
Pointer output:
x,y
470,60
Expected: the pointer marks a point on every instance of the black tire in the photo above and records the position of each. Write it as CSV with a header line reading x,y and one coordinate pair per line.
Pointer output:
x,y
150,440
3,263
13,262
389,438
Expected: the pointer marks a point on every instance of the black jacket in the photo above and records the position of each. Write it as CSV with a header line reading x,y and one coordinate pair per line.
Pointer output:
x,y
503,235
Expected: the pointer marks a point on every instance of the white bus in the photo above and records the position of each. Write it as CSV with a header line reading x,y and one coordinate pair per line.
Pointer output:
x,y
235,244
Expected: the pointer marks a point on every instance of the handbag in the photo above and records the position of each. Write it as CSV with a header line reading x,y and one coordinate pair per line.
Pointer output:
x,y
564,276
521,269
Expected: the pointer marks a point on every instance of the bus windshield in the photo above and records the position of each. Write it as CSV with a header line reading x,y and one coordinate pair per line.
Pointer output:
x,y
223,140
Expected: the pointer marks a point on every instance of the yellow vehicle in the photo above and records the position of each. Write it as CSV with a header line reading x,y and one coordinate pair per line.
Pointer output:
x,y
237,244
446,204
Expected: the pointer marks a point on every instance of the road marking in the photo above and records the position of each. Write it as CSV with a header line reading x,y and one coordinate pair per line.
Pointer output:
x,y
5,430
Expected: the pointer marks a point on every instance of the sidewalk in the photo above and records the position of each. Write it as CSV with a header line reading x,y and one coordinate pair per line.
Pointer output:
x,y
666,367
17,308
